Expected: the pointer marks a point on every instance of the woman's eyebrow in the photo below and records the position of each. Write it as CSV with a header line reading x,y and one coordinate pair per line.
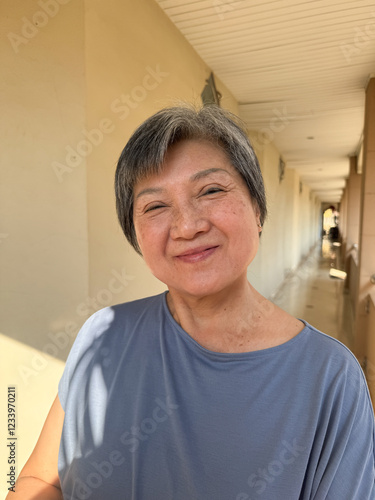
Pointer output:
x,y
194,177
154,190
208,171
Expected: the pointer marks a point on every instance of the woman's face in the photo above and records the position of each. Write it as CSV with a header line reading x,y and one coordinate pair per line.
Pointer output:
x,y
195,222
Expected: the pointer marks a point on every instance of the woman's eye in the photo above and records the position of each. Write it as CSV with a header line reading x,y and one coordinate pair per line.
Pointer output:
x,y
213,190
153,207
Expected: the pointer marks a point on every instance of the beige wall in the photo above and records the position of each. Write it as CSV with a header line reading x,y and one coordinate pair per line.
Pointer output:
x,y
292,226
43,231
78,81
44,220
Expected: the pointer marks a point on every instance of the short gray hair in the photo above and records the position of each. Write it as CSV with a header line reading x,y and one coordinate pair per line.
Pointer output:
x,y
145,152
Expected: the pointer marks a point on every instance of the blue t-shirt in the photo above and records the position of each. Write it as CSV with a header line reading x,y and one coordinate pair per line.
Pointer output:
x,y
152,415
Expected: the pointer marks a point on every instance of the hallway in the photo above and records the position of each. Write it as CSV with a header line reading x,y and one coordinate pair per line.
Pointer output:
x,y
311,294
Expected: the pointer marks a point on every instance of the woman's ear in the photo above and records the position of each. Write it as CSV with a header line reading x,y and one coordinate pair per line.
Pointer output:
x,y
257,216
257,211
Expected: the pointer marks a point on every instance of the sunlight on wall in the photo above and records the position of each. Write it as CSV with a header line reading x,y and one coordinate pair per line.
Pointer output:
x,y
35,376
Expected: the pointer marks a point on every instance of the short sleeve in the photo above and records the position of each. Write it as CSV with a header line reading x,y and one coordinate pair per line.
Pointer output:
x,y
346,469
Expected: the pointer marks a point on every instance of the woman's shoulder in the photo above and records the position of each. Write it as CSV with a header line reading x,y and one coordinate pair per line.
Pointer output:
x,y
315,352
111,323
106,335
124,311
332,356
326,343
314,344
138,305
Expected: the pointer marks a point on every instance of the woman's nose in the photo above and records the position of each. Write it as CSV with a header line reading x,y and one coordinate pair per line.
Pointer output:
x,y
188,221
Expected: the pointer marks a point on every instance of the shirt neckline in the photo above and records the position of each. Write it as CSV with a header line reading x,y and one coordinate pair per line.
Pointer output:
x,y
227,356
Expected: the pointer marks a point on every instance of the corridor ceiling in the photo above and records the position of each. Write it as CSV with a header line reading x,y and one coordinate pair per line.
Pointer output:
x,y
298,69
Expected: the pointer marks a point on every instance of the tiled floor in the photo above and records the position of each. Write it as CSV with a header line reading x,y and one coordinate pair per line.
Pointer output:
x,y
311,294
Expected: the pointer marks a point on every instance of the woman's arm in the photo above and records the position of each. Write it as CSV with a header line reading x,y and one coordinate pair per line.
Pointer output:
x,y
39,479
30,488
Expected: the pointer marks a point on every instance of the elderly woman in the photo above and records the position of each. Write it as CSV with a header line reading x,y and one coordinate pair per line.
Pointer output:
x,y
207,391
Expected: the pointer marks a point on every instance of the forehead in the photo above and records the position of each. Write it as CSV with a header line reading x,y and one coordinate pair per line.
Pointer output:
x,y
203,150
188,157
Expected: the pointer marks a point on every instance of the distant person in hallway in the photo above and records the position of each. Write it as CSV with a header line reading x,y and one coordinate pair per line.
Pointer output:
x,y
207,391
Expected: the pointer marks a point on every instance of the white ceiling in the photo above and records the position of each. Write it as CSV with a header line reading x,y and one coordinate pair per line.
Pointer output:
x,y
299,70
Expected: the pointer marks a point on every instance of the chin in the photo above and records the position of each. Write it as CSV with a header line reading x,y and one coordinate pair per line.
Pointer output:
x,y
200,290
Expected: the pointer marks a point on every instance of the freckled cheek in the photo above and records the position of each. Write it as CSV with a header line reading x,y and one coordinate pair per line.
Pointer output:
x,y
233,219
142,237
151,238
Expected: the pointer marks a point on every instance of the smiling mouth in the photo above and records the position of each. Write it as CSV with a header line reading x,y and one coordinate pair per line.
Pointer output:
x,y
197,254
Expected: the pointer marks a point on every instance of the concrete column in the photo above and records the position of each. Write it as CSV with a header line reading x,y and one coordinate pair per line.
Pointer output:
x,y
343,221
366,253
353,205
352,219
